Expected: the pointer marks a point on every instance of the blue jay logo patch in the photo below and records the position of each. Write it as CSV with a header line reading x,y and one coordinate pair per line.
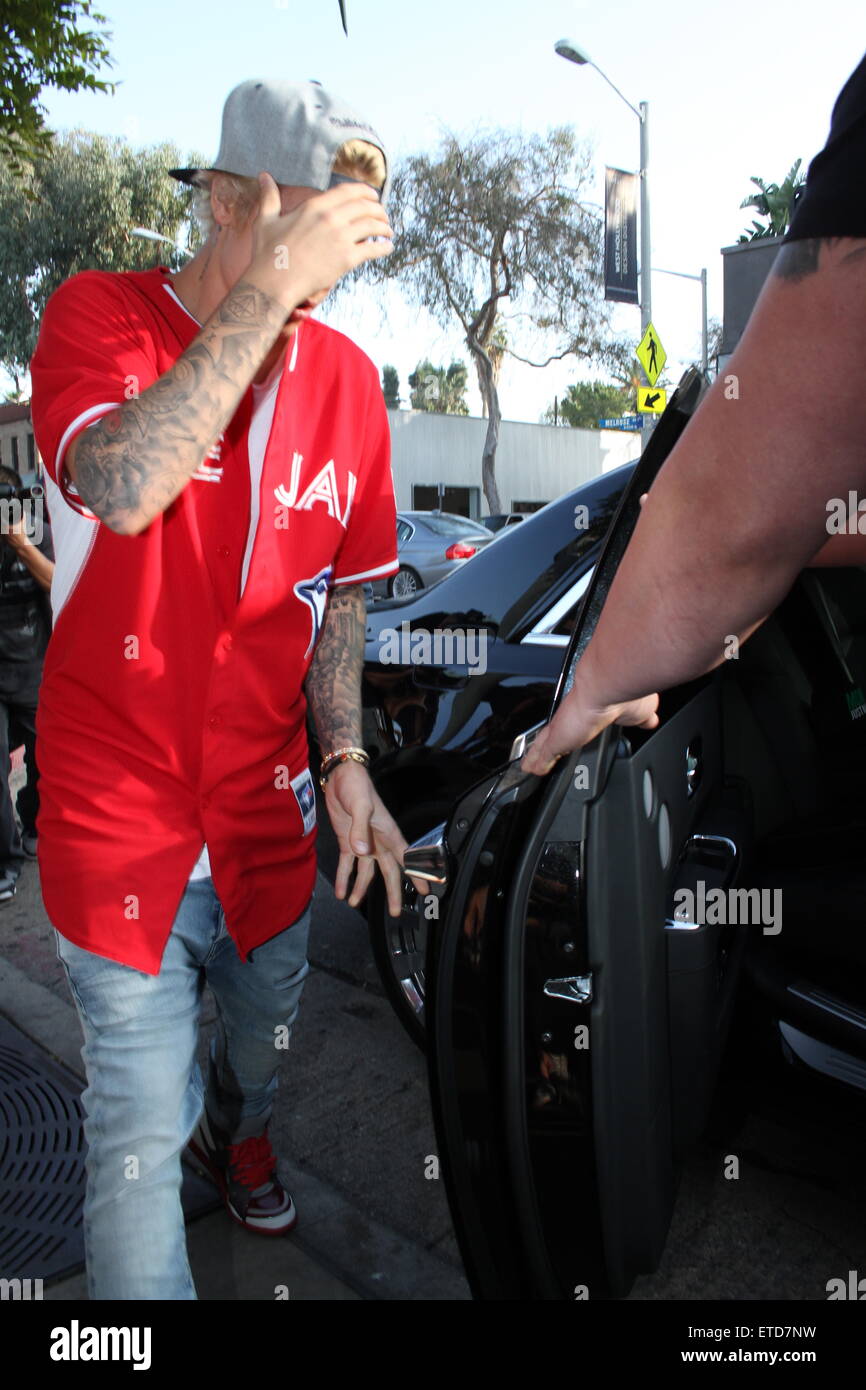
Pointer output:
x,y
314,592
305,795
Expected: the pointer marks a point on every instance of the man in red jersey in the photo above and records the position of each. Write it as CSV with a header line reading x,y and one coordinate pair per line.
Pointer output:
x,y
218,473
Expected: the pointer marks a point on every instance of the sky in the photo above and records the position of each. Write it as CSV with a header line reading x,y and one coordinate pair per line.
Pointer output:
x,y
734,90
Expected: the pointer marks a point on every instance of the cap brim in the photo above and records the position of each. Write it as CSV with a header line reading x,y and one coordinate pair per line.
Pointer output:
x,y
185,175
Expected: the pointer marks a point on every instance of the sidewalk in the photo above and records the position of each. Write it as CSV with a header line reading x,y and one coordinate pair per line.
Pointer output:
x,y
338,1252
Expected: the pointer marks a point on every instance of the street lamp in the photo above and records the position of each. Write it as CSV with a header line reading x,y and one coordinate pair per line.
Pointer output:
x,y
574,53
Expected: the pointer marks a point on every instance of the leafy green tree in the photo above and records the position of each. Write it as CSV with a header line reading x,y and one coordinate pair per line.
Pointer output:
x,y
391,387
499,222
774,201
42,45
439,389
86,194
586,402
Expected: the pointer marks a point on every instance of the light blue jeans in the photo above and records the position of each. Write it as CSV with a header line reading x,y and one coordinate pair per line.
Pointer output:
x,y
144,1094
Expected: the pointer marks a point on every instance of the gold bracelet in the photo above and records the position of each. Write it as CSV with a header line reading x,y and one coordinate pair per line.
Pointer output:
x,y
341,755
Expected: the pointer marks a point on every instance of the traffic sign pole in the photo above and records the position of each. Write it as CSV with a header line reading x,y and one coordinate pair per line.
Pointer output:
x,y
645,252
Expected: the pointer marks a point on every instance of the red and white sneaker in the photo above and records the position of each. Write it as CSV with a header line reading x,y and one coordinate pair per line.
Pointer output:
x,y
246,1175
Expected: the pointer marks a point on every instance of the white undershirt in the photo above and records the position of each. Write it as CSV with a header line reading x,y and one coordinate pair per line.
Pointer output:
x,y
264,401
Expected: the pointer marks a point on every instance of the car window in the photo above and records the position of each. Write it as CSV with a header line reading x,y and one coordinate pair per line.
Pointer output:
x,y
515,580
404,531
453,526
555,627
565,626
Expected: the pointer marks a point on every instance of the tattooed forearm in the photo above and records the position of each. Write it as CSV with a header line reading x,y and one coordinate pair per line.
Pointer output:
x,y
334,679
136,460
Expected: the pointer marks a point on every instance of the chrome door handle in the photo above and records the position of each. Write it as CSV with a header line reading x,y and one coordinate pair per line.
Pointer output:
x,y
427,857
523,742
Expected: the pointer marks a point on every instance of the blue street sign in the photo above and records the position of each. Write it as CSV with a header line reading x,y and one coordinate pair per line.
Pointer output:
x,y
627,422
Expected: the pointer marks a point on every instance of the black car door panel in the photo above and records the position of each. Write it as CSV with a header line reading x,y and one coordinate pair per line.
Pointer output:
x,y
576,1014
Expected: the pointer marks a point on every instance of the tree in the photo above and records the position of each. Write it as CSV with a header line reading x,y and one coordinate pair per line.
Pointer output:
x,y
42,46
85,196
776,202
586,402
714,342
498,221
439,389
496,350
391,387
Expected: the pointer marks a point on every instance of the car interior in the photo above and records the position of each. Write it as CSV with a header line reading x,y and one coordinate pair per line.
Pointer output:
x,y
795,733
753,782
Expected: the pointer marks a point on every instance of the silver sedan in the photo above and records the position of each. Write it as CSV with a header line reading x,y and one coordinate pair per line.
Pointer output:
x,y
429,546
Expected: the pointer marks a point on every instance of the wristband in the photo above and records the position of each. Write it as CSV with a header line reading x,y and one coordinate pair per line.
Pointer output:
x,y
342,755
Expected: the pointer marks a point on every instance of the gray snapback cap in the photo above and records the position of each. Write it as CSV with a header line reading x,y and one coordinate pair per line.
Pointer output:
x,y
292,130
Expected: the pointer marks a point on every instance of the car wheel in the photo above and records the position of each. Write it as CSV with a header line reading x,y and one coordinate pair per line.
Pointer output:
x,y
404,583
399,944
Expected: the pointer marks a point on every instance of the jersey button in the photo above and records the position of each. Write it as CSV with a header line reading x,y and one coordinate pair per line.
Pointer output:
x,y
227,644
223,552
214,721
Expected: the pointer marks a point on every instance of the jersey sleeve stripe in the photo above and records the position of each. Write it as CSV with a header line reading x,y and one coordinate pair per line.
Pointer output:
x,y
68,491
369,574
87,417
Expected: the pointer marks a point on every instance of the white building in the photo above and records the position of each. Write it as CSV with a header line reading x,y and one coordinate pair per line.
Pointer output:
x,y
436,460
17,445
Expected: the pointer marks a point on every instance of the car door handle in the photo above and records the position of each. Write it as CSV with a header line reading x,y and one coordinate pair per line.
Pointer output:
x,y
427,858
713,847
717,851
523,742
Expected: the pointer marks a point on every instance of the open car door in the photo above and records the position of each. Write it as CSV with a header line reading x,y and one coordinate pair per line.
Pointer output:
x,y
576,1014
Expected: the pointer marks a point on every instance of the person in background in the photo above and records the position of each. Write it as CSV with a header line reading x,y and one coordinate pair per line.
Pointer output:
x,y
26,569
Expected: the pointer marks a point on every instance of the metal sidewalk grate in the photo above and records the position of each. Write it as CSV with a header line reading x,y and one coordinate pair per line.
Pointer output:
x,y
42,1151
42,1174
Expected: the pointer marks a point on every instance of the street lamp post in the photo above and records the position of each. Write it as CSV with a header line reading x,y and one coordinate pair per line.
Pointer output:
x,y
574,53
702,279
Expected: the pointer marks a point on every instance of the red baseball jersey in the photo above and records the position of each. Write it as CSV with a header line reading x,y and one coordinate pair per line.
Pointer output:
x,y
172,710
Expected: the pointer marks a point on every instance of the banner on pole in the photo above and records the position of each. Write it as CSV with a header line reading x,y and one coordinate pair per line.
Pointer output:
x,y
620,236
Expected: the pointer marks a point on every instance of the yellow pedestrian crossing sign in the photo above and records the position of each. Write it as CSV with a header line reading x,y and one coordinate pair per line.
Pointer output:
x,y
651,354
651,400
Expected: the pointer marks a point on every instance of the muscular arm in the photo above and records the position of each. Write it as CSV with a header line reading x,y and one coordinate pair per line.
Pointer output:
x,y
133,464
334,679
740,507
840,551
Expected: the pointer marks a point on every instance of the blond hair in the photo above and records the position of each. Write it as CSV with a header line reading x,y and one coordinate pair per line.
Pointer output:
x,y
354,159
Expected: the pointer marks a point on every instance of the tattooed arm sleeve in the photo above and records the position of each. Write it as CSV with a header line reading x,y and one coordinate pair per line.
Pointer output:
x,y
334,679
136,460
